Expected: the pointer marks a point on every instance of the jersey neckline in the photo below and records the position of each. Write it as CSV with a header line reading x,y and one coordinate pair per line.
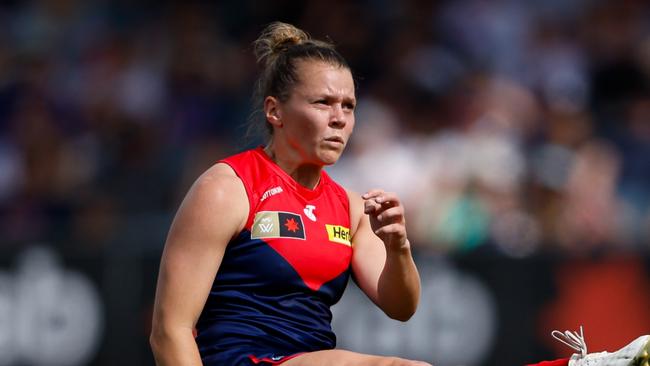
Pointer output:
x,y
305,192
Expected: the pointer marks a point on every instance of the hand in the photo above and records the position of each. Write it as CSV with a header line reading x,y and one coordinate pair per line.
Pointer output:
x,y
387,220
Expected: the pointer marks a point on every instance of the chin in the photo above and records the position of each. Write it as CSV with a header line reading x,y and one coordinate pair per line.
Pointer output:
x,y
330,158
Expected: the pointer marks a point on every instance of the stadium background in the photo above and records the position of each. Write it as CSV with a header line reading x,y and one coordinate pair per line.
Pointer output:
x,y
516,132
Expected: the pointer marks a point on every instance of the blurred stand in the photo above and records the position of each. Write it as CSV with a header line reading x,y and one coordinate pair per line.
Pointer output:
x,y
65,308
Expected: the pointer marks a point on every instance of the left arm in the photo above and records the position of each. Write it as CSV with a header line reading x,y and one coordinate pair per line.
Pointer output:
x,y
382,263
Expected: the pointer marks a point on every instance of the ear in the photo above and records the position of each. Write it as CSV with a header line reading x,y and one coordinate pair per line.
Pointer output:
x,y
272,111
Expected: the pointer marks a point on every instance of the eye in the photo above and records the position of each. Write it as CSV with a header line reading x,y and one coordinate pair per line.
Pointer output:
x,y
349,106
321,101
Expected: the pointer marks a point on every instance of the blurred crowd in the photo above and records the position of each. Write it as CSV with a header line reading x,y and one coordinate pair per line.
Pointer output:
x,y
506,126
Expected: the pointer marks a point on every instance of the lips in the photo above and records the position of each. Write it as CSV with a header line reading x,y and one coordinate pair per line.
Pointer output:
x,y
335,139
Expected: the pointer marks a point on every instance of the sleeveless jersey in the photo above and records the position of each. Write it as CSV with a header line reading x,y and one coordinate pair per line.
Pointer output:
x,y
272,293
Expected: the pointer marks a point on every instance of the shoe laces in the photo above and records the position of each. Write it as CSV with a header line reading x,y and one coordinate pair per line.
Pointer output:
x,y
573,340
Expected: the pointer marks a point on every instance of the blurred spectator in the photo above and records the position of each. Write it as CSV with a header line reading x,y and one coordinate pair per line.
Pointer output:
x,y
506,126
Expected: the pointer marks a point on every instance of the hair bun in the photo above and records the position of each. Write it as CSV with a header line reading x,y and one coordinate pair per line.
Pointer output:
x,y
277,37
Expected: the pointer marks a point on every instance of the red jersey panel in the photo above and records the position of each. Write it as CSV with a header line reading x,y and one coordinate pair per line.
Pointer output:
x,y
272,295
308,228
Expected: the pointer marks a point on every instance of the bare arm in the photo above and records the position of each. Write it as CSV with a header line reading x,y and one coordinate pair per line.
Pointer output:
x,y
214,210
382,263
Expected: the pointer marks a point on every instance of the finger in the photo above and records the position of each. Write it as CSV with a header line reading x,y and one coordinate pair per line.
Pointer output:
x,y
371,207
391,215
372,193
391,229
388,198
381,196
376,208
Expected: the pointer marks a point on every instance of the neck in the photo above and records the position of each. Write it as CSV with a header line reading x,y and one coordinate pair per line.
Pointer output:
x,y
307,175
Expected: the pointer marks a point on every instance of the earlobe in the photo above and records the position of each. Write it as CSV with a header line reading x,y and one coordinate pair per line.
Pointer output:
x,y
272,111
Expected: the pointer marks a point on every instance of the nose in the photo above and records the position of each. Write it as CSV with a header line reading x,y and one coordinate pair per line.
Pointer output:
x,y
338,117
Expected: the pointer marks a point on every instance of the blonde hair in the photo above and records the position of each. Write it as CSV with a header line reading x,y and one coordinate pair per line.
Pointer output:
x,y
275,38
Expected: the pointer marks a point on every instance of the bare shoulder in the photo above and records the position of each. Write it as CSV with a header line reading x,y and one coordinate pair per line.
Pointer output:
x,y
219,182
217,192
219,172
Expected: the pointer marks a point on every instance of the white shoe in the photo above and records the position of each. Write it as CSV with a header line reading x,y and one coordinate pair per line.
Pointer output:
x,y
636,353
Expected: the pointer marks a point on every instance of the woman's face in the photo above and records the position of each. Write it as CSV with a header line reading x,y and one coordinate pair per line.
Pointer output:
x,y
318,117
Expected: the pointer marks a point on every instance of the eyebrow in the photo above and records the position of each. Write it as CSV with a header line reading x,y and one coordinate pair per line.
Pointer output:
x,y
327,95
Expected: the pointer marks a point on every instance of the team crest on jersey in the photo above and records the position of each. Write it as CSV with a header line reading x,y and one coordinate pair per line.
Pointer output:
x,y
277,224
338,234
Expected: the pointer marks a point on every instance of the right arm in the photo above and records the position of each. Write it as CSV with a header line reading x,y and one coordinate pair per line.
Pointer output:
x,y
213,212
